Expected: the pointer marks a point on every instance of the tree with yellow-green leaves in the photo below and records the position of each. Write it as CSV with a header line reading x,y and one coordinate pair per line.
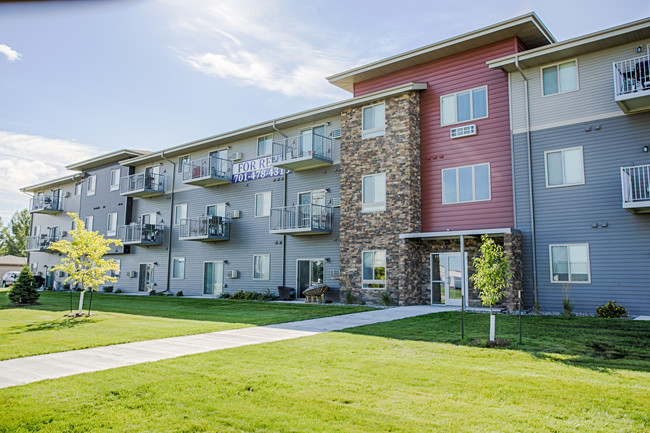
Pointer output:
x,y
82,259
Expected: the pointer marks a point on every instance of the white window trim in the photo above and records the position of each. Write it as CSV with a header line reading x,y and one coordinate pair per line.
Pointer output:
x,y
550,262
374,132
75,190
269,270
257,143
176,216
110,232
270,204
473,184
310,260
378,206
90,192
174,259
364,281
560,92
472,118
115,187
91,219
582,160
153,216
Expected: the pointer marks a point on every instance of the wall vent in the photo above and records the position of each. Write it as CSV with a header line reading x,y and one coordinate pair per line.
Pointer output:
x,y
462,131
335,274
232,274
336,133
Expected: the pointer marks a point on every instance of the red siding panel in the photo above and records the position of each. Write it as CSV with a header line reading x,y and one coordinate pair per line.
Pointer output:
x,y
437,151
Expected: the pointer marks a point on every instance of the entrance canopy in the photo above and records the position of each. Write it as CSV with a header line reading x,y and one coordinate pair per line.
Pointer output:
x,y
448,234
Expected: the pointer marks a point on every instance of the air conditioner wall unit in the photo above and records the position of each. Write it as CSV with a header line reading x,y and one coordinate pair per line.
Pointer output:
x,y
232,274
463,131
336,133
236,156
131,274
335,274
66,194
64,233
60,274
234,213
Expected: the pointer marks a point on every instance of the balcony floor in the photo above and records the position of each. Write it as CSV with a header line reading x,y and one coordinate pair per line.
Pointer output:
x,y
641,206
301,231
205,238
304,163
142,193
208,181
634,102
142,242
47,211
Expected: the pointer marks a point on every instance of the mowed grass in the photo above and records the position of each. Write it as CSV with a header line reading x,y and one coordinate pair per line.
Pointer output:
x,y
43,328
402,376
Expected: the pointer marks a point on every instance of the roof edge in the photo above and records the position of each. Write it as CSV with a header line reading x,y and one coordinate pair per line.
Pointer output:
x,y
61,180
106,158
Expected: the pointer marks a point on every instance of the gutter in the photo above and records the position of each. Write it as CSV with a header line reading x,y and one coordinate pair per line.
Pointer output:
x,y
284,204
171,220
530,181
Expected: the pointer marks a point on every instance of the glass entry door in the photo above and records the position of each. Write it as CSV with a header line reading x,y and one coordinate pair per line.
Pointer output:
x,y
310,272
145,283
213,278
447,281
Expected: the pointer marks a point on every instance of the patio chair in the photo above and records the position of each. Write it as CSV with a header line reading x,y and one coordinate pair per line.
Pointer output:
x,y
315,293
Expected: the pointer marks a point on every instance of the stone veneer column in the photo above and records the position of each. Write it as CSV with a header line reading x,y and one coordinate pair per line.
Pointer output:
x,y
397,153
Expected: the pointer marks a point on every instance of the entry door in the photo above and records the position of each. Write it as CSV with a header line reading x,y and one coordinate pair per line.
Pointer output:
x,y
216,210
151,176
145,282
310,272
219,163
447,280
311,141
213,278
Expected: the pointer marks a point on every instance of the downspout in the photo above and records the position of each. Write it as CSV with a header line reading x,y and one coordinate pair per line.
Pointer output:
x,y
284,204
171,220
530,181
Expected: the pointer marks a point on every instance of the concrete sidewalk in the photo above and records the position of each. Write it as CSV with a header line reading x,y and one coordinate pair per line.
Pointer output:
x,y
21,371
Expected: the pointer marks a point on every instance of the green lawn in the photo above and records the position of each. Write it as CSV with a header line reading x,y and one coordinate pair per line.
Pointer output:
x,y
413,375
43,328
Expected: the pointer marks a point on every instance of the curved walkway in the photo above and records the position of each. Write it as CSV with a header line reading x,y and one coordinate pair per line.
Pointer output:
x,y
21,371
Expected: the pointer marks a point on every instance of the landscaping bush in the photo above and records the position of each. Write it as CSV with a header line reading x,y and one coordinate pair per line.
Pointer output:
x,y
118,291
22,290
152,293
107,289
179,293
611,310
249,296
349,297
386,298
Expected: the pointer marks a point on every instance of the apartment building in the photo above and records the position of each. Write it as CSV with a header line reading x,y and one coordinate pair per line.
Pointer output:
x,y
391,190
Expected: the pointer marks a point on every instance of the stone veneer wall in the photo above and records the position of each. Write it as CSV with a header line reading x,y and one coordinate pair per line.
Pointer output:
x,y
397,153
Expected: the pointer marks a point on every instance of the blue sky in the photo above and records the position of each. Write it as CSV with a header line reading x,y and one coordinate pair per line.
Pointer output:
x,y
81,78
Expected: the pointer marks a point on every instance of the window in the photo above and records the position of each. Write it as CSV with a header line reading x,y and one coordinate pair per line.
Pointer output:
x,y
180,213
116,273
88,222
90,186
374,121
564,167
373,194
178,268
464,106
77,188
570,263
115,180
182,160
466,184
261,266
111,224
374,269
560,78
263,204
264,145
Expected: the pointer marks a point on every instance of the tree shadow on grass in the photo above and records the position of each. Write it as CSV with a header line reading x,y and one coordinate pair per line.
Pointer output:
x,y
586,342
52,325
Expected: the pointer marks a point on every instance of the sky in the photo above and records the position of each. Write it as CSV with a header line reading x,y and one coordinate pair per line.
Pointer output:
x,y
80,78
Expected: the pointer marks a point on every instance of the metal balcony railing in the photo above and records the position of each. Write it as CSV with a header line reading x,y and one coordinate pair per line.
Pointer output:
x,y
635,182
141,234
205,228
301,219
631,75
46,204
303,151
141,184
39,243
207,169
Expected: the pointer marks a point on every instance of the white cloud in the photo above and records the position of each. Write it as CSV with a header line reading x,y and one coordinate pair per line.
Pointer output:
x,y
11,54
29,159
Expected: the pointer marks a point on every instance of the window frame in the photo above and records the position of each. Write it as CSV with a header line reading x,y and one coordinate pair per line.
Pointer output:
x,y
376,131
377,206
77,188
364,282
181,162
258,145
91,180
91,219
564,184
177,220
557,66
174,261
567,245
471,93
268,270
115,186
110,232
442,183
270,194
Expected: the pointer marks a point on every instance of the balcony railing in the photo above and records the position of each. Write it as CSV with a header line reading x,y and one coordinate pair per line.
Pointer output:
x,y
141,234
635,182
632,84
142,185
206,228
208,171
40,243
304,219
302,152
46,204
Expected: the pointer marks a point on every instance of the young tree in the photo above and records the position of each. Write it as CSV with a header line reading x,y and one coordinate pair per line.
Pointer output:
x,y
22,290
83,258
13,237
491,276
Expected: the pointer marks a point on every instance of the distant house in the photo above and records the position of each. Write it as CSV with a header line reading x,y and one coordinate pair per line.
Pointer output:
x,y
11,263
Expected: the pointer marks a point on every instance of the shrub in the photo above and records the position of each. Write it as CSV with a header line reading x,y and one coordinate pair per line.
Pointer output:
x,y
566,302
179,293
611,310
66,287
224,296
349,297
386,298
22,290
152,293
118,291
249,296
107,289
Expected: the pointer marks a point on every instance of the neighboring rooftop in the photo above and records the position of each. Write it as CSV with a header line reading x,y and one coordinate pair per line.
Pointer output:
x,y
10,260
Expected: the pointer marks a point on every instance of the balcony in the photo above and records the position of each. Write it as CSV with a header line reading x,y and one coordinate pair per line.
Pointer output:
x,y
46,204
142,185
141,234
206,228
208,171
636,188
40,243
302,152
632,84
304,219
